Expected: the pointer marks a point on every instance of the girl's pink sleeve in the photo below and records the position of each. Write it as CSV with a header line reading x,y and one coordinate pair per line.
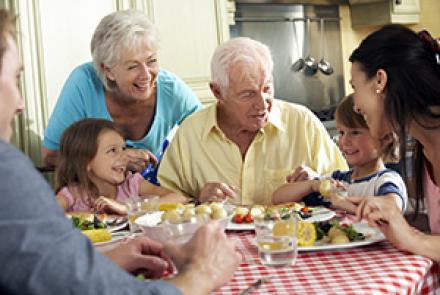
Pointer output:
x,y
65,193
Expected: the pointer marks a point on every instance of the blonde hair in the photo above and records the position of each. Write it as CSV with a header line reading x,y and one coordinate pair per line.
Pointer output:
x,y
119,31
239,50
347,116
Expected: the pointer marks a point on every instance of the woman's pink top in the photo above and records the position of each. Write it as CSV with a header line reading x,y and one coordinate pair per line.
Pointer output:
x,y
432,200
127,190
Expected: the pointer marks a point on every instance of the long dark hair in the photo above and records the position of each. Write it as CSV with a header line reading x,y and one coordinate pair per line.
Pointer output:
x,y
412,63
78,146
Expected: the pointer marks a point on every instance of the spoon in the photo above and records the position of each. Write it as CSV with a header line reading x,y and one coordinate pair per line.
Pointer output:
x,y
323,65
298,65
311,65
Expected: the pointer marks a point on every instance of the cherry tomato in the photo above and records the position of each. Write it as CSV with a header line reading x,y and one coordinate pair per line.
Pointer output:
x,y
248,218
305,209
238,218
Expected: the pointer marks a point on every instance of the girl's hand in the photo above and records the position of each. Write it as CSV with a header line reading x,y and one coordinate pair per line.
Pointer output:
x,y
383,213
103,204
301,173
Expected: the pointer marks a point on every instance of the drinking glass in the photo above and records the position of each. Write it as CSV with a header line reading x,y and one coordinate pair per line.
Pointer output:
x,y
276,241
138,208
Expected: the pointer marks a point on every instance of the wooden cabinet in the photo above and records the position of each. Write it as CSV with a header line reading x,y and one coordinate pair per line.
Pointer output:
x,y
368,12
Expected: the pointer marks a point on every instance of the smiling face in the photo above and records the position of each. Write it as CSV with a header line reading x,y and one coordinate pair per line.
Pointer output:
x,y
368,102
358,145
11,101
248,99
136,72
110,162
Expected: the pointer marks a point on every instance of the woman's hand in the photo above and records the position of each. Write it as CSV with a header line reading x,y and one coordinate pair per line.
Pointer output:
x,y
216,191
141,255
383,213
103,204
138,159
301,173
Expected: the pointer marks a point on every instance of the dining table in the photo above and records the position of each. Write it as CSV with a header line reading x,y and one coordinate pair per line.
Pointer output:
x,y
378,268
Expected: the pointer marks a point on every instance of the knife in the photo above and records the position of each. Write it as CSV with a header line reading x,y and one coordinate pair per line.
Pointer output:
x,y
255,285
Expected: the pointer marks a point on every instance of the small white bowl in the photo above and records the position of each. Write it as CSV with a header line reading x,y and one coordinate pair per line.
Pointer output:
x,y
179,233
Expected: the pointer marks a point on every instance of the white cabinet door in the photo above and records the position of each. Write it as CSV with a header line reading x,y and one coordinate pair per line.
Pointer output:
x,y
190,30
406,6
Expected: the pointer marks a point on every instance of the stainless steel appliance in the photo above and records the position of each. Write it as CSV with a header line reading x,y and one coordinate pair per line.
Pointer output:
x,y
292,32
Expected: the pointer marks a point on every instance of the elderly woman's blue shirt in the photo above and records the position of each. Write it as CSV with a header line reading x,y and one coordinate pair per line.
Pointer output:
x,y
83,97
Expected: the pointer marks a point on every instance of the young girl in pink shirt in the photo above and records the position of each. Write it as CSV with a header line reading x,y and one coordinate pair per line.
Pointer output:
x,y
92,175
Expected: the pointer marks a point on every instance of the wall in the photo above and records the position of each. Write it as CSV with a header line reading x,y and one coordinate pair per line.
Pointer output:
x,y
429,19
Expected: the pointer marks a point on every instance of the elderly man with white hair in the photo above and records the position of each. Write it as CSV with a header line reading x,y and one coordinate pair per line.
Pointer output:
x,y
244,146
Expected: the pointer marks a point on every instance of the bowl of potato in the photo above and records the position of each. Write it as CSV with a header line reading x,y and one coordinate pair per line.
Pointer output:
x,y
178,222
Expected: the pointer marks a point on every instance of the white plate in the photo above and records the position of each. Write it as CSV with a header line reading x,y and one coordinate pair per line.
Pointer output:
x,y
115,237
372,235
318,215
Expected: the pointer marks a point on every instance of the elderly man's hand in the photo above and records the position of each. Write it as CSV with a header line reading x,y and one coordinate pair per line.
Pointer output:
x,y
209,258
216,191
141,255
138,159
301,173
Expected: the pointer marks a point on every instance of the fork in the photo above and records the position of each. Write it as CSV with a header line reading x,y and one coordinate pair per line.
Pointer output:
x,y
255,285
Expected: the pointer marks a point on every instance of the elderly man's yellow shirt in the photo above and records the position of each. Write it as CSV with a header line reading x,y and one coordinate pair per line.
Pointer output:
x,y
201,153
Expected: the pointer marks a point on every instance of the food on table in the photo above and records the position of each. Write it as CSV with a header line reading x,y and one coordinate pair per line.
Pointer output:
x,y
87,222
98,235
340,239
243,211
188,213
327,187
335,233
218,213
244,214
306,234
171,216
203,209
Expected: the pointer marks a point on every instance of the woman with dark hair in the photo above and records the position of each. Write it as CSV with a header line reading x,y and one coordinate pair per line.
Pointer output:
x,y
395,75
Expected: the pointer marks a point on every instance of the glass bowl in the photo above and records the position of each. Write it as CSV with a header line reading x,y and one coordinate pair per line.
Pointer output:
x,y
152,227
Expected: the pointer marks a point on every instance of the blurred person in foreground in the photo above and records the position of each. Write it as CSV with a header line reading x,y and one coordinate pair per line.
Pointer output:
x,y
245,145
41,252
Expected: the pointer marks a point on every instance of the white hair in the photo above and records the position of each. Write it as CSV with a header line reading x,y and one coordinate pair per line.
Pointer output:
x,y
239,50
118,31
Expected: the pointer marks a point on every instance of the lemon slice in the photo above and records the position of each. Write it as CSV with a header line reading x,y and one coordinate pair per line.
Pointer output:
x,y
98,235
284,228
306,233
170,206
271,246
325,187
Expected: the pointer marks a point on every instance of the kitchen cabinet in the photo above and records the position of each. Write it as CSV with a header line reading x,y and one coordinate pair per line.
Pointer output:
x,y
55,37
367,12
190,31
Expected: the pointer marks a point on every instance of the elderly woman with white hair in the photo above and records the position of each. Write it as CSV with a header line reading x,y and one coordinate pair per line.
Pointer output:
x,y
124,84
244,146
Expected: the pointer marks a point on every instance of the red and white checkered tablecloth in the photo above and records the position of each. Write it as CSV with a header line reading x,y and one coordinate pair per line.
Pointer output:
x,y
374,269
